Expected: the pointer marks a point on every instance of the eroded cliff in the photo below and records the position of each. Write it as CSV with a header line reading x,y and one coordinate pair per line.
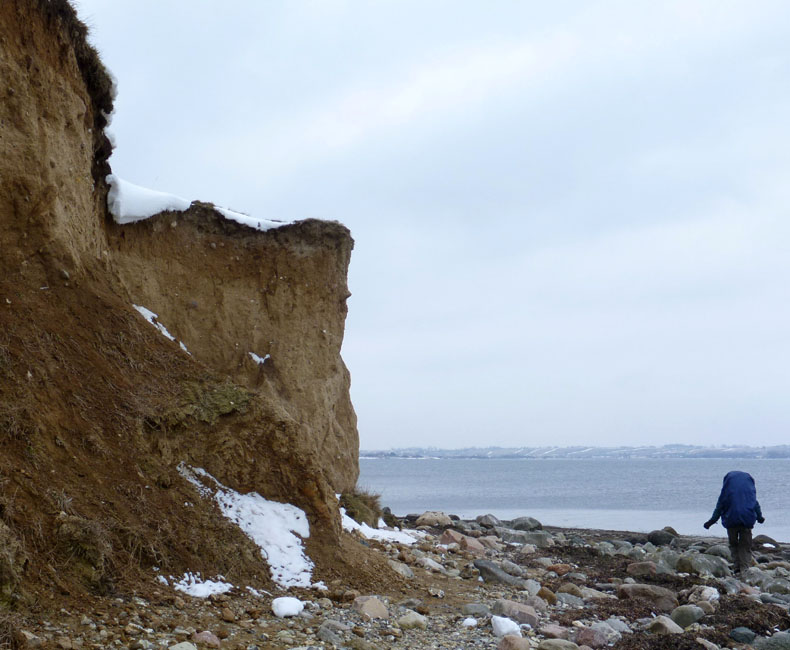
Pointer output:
x,y
97,408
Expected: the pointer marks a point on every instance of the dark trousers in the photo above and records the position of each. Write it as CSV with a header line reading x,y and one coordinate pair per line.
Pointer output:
x,y
740,538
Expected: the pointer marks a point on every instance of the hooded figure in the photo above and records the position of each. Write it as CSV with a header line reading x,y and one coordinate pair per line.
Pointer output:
x,y
739,509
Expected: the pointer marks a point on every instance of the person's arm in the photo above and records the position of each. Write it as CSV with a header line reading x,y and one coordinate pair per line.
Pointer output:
x,y
759,512
716,513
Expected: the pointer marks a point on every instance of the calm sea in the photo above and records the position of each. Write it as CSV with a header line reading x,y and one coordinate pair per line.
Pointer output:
x,y
627,494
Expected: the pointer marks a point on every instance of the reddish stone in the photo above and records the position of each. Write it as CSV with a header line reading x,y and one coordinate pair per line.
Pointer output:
x,y
590,637
451,536
552,631
472,546
559,569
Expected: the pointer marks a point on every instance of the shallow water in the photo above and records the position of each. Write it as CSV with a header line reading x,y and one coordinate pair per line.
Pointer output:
x,y
616,494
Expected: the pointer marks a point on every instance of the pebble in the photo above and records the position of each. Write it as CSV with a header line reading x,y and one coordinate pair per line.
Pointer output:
x,y
520,604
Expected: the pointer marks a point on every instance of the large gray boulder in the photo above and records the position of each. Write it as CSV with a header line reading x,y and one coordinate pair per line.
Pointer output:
x,y
490,572
517,611
488,521
722,550
661,598
779,641
526,523
661,537
685,615
703,564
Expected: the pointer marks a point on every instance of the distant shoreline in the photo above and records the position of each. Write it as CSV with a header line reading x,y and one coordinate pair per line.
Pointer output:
x,y
673,452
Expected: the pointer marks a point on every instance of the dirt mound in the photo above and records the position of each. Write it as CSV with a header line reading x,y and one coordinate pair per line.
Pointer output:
x,y
97,408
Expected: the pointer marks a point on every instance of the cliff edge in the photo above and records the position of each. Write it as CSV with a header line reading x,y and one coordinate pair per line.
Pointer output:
x,y
98,410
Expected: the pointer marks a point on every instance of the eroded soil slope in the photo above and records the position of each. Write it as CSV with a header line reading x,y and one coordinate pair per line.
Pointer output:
x,y
97,408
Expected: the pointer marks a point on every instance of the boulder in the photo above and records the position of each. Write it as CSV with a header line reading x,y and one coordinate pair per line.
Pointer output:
x,y
548,595
590,637
560,569
777,586
370,607
512,568
703,593
537,538
742,635
553,631
763,541
329,636
206,638
526,523
703,564
661,537
662,598
538,603
588,593
513,642
618,626
532,586
708,645
779,641
472,545
610,634
569,588
511,536
450,536
490,572
475,609
570,600
663,625
401,569
721,550
527,549
491,542
517,611
488,521
434,518
638,554
557,644
604,548
430,564
665,557
639,569
412,620
685,615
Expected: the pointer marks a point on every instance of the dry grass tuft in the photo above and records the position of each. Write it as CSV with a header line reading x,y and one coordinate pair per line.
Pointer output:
x,y
362,506
86,544
10,631
12,561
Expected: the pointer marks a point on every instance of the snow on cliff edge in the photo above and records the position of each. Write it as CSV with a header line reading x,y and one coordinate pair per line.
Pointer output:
x,y
128,203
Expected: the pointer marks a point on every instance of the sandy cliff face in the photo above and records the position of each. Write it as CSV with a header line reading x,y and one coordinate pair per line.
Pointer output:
x,y
97,408
52,100
279,295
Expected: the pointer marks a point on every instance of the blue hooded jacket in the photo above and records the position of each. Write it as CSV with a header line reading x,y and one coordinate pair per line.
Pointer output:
x,y
737,504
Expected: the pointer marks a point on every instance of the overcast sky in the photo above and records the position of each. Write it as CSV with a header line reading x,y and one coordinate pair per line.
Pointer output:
x,y
572,219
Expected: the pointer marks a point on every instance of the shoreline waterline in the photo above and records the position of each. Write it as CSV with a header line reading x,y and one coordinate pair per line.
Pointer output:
x,y
634,495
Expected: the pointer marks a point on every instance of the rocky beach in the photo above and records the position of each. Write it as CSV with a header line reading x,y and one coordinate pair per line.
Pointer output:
x,y
486,583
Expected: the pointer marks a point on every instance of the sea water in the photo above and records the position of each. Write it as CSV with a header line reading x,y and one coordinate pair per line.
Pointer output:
x,y
610,494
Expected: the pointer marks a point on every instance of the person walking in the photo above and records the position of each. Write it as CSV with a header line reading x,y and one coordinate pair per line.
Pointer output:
x,y
739,509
